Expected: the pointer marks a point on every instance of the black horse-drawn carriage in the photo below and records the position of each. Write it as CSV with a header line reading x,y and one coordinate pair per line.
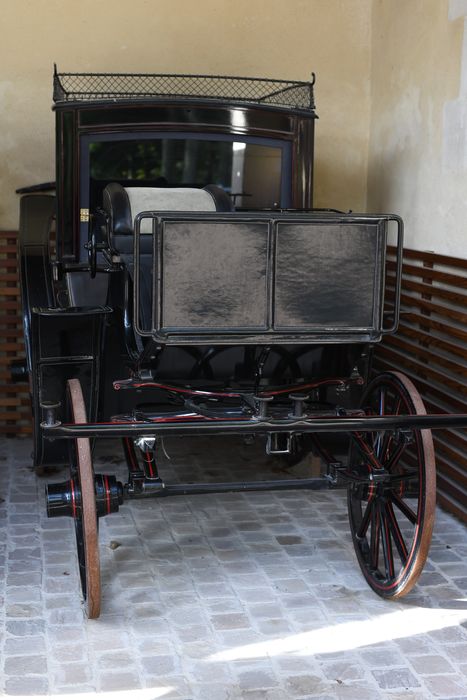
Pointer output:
x,y
180,282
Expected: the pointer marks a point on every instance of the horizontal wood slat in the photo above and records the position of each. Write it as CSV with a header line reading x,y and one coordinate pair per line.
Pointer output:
x,y
432,324
428,307
449,468
424,387
432,291
446,345
433,258
414,271
15,411
8,277
431,348
427,356
8,264
423,371
11,319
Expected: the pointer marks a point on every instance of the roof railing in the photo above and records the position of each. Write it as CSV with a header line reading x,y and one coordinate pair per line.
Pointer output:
x,y
113,87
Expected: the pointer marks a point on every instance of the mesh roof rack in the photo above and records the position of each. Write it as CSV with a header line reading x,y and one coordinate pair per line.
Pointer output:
x,y
113,87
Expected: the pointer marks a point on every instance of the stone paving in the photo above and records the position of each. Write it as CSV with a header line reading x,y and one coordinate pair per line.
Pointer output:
x,y
254,596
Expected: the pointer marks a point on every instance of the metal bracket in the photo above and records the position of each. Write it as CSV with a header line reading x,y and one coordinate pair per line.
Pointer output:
x,y
405,434
332,472
146,443
272,444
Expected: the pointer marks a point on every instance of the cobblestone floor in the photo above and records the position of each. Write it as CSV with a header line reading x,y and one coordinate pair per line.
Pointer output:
x,y
254,596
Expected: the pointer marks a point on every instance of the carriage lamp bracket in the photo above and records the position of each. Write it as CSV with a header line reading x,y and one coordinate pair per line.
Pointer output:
x,y
49,409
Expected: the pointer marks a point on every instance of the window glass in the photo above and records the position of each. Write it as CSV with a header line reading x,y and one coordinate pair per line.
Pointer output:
x,y
249,172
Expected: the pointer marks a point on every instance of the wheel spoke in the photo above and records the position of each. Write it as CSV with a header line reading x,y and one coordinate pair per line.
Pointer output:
x,y
395,457
397,534
362,530
374,538
386,542
385,445
382,412
404,508
382,401
366,450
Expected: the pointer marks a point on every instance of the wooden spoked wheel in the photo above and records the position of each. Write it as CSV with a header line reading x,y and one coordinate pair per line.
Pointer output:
x,y
84,513
392,494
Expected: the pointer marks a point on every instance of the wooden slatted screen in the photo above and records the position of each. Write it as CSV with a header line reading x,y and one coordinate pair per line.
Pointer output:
x,y
430,347
15,411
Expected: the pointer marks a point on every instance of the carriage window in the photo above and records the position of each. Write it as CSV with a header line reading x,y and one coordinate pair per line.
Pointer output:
x,y
251,173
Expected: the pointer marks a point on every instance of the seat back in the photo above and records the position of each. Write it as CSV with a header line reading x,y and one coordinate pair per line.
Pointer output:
x,y
123,204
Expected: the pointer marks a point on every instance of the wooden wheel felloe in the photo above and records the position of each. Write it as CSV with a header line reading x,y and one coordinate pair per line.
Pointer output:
x,y
392,494
85,514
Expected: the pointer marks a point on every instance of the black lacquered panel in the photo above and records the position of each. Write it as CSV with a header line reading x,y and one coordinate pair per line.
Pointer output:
x,y
263,277
214,276
328,276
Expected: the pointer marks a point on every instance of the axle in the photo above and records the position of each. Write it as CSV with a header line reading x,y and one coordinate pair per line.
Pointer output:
x,y
64,498
201,425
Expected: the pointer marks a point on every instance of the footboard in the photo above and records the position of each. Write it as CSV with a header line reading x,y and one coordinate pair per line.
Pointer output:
x,y
263,278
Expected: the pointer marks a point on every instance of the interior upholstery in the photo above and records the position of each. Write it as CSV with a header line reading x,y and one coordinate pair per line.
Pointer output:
x,y
123,204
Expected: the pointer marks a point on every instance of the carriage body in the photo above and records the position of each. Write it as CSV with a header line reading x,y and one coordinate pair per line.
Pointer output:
x,y
189,287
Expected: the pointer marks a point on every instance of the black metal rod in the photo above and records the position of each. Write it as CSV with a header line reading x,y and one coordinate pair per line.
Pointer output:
x,y
240,427
161,490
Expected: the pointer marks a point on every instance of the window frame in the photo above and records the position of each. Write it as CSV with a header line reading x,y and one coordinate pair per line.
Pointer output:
x,y
284,145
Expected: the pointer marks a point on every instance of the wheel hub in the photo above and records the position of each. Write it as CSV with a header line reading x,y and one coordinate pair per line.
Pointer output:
x,y
64,498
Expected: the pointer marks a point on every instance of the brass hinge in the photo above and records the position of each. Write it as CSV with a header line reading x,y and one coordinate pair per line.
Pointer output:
x,y
84,215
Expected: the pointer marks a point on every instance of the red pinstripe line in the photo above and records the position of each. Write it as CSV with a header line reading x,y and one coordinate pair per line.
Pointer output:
x,y
149,463
388,545
107,493
73,497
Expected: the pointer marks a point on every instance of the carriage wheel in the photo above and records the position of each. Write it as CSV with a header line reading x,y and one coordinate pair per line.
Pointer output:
x,y
392,508
85,516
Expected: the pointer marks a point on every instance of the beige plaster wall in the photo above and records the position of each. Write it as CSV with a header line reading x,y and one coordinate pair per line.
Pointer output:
x,y
269,38
417,165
